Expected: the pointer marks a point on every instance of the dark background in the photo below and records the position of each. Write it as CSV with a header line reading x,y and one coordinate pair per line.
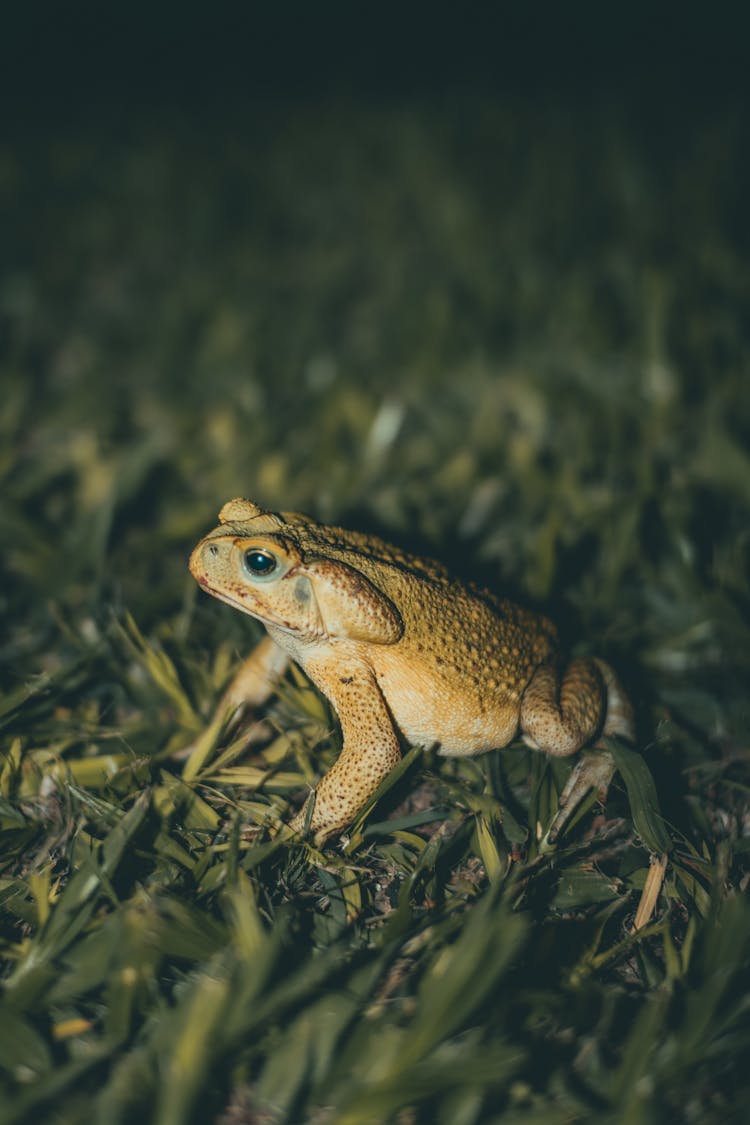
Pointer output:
x,y
80,56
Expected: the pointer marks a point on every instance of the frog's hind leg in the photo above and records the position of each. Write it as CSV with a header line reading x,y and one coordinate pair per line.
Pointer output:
x,y
560,715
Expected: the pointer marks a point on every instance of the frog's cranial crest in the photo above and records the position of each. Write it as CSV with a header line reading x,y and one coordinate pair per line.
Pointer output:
x,y
239,511
247,517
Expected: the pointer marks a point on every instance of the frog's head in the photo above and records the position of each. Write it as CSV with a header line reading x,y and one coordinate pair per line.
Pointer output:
x,y
267,565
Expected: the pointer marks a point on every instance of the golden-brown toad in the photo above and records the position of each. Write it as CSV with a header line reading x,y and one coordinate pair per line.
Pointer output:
x,y
403,651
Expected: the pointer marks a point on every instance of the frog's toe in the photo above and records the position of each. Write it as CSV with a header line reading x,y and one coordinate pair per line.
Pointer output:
x,y
593,770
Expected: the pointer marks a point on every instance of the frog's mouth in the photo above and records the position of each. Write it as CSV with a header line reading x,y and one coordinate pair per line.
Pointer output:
x,y
251,611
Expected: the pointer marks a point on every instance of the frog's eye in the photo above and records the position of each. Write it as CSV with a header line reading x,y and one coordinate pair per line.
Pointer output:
x,y
258,563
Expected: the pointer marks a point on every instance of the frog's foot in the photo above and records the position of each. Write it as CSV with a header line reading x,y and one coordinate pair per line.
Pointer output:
x,y
302,825
593,770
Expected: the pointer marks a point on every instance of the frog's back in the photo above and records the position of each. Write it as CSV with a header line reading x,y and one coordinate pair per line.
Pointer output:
x,y
437,609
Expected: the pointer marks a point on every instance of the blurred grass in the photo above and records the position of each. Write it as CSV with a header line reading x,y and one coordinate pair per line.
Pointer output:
x,y
511,336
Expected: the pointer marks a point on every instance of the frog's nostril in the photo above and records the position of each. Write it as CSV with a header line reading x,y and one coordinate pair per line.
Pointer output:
x,y
213,550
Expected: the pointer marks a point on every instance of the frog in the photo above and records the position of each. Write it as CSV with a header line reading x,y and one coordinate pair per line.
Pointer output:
x,y
406,654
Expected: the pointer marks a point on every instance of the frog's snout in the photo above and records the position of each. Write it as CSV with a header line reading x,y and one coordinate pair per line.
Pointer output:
x,y
198,559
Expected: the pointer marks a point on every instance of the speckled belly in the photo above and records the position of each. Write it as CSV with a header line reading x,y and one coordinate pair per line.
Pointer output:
x,y
428,709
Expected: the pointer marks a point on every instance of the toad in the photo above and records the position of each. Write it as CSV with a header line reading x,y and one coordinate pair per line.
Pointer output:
x,y
405,653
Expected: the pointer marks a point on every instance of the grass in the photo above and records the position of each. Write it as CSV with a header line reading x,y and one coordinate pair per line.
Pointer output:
x,y
510,337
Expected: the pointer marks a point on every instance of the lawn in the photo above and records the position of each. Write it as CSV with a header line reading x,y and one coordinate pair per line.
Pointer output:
x,y
508,335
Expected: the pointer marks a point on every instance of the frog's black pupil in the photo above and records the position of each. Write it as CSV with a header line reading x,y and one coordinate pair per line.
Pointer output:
x,y
259,562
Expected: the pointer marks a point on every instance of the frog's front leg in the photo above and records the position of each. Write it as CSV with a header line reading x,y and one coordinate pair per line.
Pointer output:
x,y
250,687
254,681
561,714
370,750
